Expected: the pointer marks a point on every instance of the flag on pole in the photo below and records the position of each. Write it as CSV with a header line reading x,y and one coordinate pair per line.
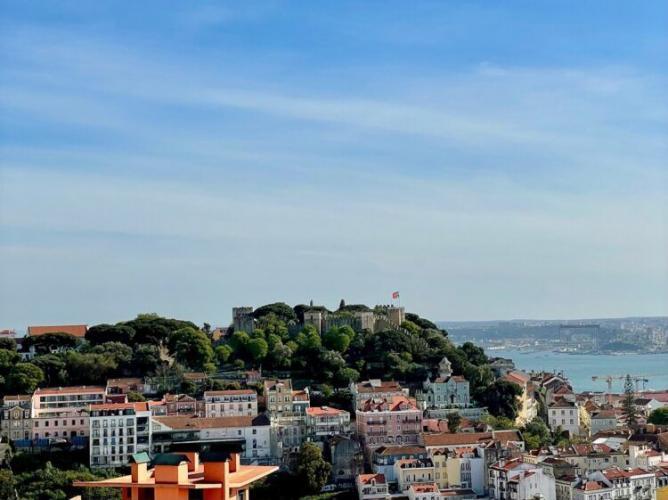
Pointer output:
x,y
395,295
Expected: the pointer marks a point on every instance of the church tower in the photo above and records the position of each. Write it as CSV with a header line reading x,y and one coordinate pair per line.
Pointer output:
x,y
444,368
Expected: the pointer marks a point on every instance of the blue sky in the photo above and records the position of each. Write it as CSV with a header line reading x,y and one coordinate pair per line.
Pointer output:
x,y
490,160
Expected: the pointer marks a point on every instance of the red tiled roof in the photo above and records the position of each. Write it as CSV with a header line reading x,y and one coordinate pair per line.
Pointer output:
x,y
508,465
138,406
435,425
470,438
366,478
74,330
592,486
385,386
617,473
518,378
321,411
204,423
425,488
394,404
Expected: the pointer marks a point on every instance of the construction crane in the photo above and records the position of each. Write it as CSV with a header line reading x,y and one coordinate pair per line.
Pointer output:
x,y
637,379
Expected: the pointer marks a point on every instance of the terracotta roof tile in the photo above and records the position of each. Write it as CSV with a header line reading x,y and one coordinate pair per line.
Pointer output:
x,y
322,411
74,330
367,478
204,423
470,438
139,406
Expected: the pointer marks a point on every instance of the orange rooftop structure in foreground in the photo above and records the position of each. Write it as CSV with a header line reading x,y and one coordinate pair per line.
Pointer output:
x,y
212,475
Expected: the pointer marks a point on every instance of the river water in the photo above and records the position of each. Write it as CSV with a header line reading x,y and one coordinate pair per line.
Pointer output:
x,y
580,368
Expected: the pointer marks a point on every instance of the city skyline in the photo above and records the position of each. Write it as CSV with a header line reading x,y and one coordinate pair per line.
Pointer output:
x,y
490,162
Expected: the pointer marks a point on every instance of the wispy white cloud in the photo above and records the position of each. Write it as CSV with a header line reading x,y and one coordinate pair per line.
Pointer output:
x,y
492,191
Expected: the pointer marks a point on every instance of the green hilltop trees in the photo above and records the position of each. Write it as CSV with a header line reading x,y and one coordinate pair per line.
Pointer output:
x,y
151,345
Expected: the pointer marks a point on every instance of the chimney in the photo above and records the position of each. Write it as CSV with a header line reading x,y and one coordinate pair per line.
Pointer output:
x,y
193,457
216,471
139,472
235,462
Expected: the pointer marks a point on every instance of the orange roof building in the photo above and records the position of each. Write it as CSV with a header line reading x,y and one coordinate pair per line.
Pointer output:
x,y
215,475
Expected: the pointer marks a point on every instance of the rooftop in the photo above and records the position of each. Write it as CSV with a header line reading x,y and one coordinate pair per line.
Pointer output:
x,y
139,406
323,411
516,377
387,451
229,392
82,389
241,478
617,473
470,438
395,403
375,385
425,488
367,478
178,423
74,330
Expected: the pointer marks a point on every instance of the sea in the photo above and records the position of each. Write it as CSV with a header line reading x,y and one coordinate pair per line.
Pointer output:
x,y
579,368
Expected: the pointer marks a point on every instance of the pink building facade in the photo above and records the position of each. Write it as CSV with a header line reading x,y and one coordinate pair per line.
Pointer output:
x,y
396,420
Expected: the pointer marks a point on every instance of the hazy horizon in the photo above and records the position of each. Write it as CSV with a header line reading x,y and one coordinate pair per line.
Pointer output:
x,y
487,160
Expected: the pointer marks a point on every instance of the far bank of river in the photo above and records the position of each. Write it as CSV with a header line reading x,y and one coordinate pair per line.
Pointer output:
x,y
581,367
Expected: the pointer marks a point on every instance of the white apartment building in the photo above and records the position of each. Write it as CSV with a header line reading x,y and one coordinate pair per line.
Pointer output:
x,y
630,483
564,414
62,412
413,471
603,420
117,430
518,480
592,490
372,487
230,403
254,431
323,422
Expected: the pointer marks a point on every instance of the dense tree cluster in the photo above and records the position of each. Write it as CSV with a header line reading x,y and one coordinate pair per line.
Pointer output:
x,y
33,477
140,347
310,474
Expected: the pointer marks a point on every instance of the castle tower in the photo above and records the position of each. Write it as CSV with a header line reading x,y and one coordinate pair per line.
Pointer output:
x,y
396,315
242,319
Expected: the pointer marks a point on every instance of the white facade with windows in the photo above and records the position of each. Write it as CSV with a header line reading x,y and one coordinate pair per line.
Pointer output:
x,y
117,431
566,415
232,403
62,412
254,431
